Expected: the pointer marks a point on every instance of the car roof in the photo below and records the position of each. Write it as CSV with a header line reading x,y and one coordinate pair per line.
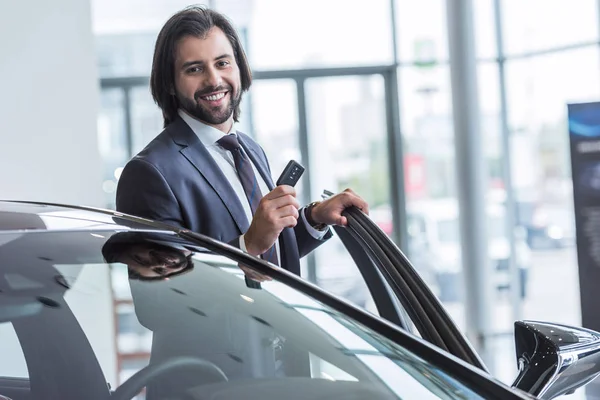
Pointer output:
x,y
40,216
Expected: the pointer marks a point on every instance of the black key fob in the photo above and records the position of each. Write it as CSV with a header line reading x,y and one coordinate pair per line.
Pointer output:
x,y
291,174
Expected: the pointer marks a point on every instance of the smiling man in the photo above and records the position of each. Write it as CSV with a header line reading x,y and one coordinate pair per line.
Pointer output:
x,y
202,174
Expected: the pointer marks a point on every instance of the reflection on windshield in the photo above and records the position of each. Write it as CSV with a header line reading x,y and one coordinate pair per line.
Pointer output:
x,y
350,338
378,363
189,326
147,256
353,343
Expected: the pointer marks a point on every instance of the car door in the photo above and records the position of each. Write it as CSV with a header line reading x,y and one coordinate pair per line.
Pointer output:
x,y
553,359
399,293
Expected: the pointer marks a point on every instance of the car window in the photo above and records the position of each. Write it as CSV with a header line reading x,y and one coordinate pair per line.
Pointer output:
x,y
210,327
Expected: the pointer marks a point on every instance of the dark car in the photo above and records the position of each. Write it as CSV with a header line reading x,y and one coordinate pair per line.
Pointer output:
x,y
98,305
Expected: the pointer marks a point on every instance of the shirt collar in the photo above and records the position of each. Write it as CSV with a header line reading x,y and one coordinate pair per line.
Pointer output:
x,y
207,134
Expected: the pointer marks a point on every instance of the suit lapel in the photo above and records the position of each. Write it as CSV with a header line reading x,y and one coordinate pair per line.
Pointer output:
x,y
197,154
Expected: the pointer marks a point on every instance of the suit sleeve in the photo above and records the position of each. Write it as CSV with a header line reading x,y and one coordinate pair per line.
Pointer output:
x,y
306,242
143,191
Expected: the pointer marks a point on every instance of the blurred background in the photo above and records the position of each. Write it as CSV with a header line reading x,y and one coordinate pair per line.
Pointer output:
x,y
358,92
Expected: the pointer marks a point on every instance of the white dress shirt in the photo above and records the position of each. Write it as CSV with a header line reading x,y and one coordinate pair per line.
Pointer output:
x,y
209,136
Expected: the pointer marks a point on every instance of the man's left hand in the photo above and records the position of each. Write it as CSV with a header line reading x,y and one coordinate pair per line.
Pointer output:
x,y
330,211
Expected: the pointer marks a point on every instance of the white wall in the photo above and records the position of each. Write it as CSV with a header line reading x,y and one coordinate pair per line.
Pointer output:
x,y
48,102
117,16
49,96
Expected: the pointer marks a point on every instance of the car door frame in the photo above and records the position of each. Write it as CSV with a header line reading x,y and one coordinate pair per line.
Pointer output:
x,y
423,308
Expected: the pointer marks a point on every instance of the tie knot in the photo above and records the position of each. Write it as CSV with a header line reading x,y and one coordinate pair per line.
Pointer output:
x,y
229,142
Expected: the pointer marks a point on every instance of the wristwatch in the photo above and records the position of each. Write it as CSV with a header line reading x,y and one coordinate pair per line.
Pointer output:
x,y
310,220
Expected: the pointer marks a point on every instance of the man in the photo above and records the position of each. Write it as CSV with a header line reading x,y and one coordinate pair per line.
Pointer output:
x,y
202,175
148,256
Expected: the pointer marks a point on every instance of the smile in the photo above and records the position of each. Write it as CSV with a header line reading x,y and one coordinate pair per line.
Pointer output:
x,y
214,97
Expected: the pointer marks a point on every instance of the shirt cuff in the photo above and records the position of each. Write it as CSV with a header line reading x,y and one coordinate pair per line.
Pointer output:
x,y
243,244
317,234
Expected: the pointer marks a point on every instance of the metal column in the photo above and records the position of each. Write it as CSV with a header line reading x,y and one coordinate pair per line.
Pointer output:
x,y
396,161
311,260
394,137
128,121
511,207
470,174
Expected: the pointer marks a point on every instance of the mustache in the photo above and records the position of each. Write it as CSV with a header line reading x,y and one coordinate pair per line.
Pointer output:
x,y
209,90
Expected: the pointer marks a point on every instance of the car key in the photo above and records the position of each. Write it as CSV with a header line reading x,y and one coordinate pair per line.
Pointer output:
x,y
291,174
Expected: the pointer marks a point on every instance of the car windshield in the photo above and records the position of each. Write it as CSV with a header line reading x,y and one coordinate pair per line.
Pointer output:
x,y
151,315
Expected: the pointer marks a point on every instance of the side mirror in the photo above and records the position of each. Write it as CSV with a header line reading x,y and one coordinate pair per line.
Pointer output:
x,y
555,359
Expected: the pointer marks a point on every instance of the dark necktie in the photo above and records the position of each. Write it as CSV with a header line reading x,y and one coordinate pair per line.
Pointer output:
x,y
249,182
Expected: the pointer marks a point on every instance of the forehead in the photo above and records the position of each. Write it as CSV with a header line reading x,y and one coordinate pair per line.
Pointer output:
x,y
215,44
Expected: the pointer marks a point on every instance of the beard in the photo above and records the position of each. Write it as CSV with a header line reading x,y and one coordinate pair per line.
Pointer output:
x,y
210,115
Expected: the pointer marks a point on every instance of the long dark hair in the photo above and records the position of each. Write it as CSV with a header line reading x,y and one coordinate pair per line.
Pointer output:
x,y
191,21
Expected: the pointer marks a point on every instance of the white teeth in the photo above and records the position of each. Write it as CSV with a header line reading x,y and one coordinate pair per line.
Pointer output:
x,y
214,97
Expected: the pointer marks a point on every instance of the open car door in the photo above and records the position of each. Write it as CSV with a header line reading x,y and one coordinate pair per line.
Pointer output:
x,y
553,359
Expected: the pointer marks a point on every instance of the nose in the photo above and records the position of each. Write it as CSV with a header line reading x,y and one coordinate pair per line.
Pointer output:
x,y
213,77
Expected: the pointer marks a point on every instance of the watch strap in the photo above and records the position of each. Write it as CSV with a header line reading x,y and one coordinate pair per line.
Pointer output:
x,y
308,215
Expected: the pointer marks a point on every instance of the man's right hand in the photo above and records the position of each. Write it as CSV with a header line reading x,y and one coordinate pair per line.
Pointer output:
x,y
278,209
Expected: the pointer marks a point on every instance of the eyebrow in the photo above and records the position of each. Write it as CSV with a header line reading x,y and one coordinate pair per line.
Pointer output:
x,y
198,62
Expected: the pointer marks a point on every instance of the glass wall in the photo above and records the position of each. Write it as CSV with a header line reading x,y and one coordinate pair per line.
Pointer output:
x,y
535,25
313,101
347,146
272,111
538,91
112,142
298,34
430,190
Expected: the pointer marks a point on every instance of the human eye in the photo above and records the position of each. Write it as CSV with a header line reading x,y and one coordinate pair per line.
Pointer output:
x,y
223,63
194,70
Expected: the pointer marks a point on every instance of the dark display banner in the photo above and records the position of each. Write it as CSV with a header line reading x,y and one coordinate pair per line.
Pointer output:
x,y
584,133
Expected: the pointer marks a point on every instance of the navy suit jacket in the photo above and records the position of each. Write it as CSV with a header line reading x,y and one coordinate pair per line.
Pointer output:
x,y
175,180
